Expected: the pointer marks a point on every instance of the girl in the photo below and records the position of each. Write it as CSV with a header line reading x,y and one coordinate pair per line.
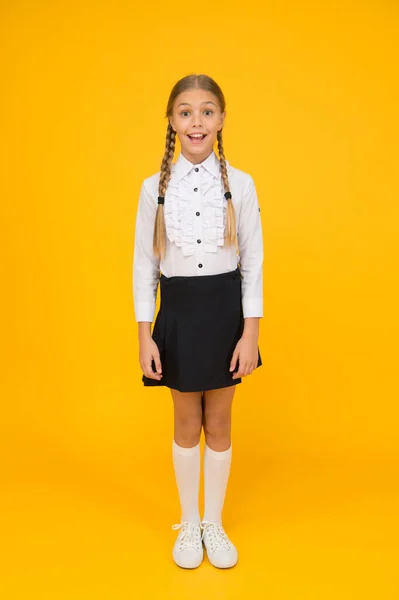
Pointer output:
x,y
198,224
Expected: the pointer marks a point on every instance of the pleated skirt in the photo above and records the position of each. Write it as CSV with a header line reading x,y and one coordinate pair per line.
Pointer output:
x,y
197,327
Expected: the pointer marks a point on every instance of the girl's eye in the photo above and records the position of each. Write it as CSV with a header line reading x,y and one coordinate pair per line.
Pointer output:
x,y
208,110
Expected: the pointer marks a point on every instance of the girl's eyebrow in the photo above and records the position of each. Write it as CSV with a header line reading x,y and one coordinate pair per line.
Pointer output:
x,y
188,104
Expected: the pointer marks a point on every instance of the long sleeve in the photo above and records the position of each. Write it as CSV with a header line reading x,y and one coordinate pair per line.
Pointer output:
x,y
250,243
146,267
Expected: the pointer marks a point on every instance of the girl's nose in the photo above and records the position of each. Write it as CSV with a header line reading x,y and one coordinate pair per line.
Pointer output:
x,y
197,120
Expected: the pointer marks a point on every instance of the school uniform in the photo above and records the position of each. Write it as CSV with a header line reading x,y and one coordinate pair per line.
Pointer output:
x,y
207,289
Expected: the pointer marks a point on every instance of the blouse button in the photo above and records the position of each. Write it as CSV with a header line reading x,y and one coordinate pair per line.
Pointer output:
x,y
198,214
195,189
200,265
196,169
198,241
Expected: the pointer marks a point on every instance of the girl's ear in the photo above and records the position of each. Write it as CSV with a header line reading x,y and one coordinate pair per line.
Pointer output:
x,y
170,121
223,115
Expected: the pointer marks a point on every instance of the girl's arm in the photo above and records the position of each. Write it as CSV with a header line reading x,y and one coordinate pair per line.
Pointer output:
x,y
251,327
250,243
146,270
146,267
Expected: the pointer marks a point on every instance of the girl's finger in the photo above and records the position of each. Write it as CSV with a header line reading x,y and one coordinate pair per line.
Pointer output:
x,y
151,375
240,372
234,359
148,371
237,374
157,362
251,367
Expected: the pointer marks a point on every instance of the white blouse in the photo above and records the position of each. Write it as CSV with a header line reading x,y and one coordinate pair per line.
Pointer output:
x,y
195,216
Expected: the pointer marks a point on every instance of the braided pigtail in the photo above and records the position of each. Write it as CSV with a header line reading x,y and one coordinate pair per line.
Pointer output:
x,y
230,237
159,239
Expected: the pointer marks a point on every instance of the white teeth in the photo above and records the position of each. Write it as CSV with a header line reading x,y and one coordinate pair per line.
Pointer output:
x,y
197,135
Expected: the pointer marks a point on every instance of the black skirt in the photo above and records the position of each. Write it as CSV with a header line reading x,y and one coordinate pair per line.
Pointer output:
x,y
198,325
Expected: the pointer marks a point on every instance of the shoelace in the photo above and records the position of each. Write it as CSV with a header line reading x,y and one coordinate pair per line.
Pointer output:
x,y
216,535
190,535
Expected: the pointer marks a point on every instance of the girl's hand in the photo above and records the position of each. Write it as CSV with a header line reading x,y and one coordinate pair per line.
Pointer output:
x,y
246,351
149,352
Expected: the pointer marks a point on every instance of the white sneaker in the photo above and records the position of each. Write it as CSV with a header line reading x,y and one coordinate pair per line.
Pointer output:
x,y
188,551
221,551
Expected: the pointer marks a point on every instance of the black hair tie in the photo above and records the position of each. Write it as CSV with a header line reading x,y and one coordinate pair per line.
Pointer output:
x,y
161,200
227,195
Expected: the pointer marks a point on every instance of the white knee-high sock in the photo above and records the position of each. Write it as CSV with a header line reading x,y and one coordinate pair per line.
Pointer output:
x,y
216,475
187,466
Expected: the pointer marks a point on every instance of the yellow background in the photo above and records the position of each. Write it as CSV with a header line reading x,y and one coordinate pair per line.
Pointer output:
x,y
88,493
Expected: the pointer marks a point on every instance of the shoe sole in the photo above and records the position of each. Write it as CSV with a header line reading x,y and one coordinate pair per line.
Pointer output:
x,y
224,567
186,567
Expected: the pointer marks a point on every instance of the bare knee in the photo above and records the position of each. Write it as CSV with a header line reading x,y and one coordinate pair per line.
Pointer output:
x,y
187,430
217,429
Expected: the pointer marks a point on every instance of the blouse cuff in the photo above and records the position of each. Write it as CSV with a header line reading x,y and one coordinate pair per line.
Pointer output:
x,y
145,311
252,307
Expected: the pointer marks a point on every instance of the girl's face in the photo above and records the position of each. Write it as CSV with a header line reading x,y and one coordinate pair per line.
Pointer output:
x,y
196,119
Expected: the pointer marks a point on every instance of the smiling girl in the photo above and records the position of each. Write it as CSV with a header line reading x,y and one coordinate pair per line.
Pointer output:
x,y
199,235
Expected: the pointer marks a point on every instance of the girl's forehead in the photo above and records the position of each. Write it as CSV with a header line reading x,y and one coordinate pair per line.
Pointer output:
x,y
196,97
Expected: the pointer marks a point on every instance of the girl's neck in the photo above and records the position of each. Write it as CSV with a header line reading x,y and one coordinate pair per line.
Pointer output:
x,y
197,159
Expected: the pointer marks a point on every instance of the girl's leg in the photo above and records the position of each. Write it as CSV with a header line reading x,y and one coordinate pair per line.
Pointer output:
x,y
218,449
186,450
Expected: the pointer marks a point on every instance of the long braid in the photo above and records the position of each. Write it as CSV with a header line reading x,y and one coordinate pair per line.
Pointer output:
x,y
230,233
159,238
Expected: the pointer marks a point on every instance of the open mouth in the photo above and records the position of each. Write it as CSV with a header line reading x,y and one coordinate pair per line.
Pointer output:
x,y
197,138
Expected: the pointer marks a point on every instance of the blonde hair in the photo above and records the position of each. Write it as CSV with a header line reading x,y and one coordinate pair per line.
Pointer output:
x,y
189,82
